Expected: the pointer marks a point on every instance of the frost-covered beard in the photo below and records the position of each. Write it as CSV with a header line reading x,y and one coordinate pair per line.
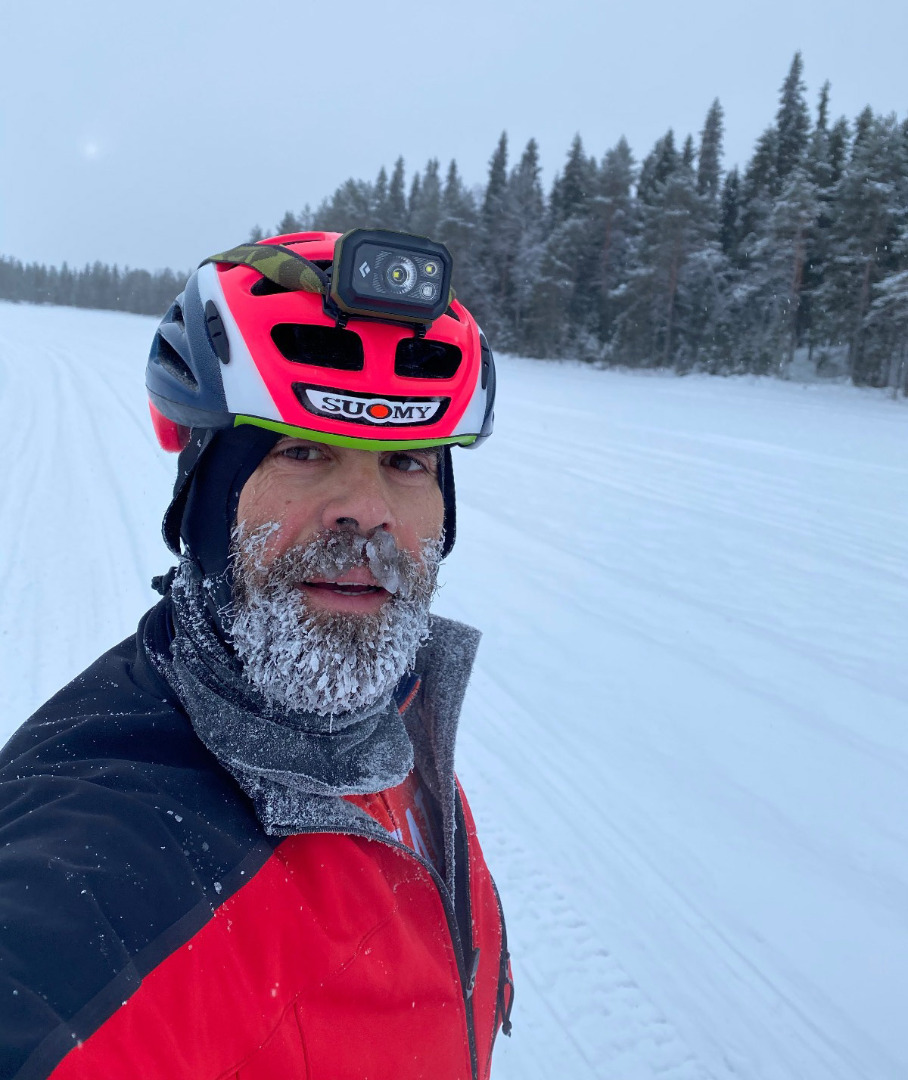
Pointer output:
x,y
308,660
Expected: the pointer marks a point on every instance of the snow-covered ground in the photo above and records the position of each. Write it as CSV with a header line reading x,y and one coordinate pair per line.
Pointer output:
x,y
687,739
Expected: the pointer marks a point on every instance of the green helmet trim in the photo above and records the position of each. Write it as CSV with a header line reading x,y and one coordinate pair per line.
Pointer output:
x,y
347,440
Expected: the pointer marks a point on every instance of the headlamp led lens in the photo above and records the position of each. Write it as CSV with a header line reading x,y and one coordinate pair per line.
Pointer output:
x,y
400,272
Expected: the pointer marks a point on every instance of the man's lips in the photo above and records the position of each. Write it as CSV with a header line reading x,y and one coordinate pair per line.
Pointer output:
x,y
356,582
350,589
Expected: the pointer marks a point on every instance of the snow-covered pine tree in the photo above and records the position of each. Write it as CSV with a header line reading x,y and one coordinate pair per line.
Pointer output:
x,y
885,329
759,187
289,223
457,227
792,121
634,340
730,215
869,213
782,264
572,188
818,159
673,228
349,206
709,159
525,232
381,211
493,254
615,223
413,199
762,301
565,310
839,146
823,170
887,319
425,201
397,199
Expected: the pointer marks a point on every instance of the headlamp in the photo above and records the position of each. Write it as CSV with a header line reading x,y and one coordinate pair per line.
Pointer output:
x,y
391,275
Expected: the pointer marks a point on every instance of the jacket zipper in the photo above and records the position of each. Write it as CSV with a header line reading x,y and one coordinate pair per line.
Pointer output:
x,y
461,830
502,1007
467,977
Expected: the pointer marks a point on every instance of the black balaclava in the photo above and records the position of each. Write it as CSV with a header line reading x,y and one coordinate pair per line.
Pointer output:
x,y
211,472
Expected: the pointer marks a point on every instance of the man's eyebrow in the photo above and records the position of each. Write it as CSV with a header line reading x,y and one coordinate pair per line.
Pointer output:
x,y
292,440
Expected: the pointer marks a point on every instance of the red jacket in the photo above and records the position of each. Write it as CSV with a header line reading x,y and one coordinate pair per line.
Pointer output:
x,y
180,942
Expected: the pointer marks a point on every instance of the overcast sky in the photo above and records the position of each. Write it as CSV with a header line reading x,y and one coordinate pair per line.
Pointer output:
x,y
154,134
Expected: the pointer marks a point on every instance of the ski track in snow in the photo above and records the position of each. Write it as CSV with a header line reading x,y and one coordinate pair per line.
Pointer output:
x,y
685,741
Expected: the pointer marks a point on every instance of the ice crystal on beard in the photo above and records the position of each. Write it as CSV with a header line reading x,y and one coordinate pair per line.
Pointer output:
x,y
328,663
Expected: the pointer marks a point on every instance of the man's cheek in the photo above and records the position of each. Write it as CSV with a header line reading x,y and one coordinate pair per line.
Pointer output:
x,y
280,537
262,544
275,546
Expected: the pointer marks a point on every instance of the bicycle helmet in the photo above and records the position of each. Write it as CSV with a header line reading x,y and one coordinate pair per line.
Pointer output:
x,y
249,341
253,343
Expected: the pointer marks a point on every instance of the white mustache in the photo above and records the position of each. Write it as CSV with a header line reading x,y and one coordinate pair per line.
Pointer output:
x,y
330,555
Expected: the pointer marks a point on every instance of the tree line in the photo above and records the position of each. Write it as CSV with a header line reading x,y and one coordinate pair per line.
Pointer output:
x,y
799,260
93,286
672,262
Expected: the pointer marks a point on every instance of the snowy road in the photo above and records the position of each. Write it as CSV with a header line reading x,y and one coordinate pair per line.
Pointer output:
x,y
687,740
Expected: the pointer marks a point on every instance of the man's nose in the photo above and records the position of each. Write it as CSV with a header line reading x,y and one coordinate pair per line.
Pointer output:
x,y
360,501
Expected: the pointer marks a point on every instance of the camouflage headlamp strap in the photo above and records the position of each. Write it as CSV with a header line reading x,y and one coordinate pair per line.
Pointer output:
x,y
278,264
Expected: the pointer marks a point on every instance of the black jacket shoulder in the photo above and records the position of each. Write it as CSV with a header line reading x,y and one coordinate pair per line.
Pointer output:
x,y
120,834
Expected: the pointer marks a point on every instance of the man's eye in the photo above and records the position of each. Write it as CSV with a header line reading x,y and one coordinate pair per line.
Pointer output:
x,y
301,452
406,463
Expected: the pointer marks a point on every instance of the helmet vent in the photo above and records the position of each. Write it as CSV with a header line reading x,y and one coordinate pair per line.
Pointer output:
x,y
217,332
174,364
486,354
320,346
265,287
417,358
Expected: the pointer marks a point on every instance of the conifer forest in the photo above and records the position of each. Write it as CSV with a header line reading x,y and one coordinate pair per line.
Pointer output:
x,y
797,264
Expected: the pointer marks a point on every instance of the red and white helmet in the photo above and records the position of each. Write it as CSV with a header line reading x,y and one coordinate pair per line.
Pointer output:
x,y
238,346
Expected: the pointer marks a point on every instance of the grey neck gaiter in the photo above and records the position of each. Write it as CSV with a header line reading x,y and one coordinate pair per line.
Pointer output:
x,y
276,756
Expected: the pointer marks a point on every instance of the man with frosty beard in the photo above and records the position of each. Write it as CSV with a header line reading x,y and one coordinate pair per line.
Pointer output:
x,y
235,845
